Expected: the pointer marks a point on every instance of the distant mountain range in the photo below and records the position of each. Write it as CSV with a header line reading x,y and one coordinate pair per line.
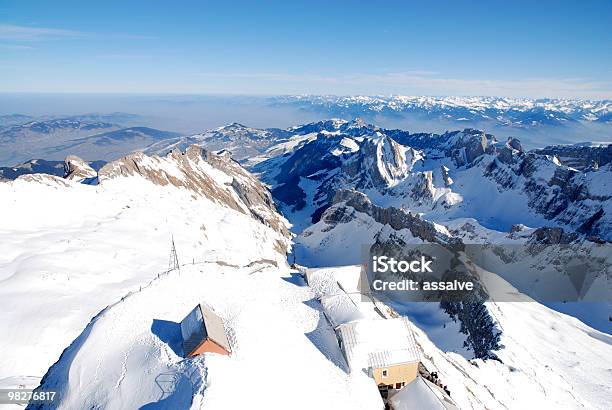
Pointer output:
x,y
512,112
113,144
537,123
242,141
92,136
13,119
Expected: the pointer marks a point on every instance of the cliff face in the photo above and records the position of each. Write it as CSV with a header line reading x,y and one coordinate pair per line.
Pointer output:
x,y
397,219
581,200
380,163
580,156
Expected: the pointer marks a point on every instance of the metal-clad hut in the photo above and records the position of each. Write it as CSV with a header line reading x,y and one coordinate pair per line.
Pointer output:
x,y
203,331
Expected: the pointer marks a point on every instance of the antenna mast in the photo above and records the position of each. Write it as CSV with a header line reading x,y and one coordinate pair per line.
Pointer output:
x,y
173,264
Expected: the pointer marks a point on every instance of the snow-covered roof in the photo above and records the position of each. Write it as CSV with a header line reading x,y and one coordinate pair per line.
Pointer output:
x,y
340,309
325,280
376,343
421,394
200,324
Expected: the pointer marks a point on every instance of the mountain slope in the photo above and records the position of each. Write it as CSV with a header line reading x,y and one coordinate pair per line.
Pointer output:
x,y
131,351
92,244
533,370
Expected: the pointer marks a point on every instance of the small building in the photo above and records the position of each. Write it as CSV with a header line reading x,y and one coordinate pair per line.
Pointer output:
x,y
421,394
385,348
203,331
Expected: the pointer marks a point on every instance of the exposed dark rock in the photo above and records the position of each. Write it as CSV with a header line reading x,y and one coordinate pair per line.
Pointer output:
x,y
448,181
514,144
398,219
580,156
552,236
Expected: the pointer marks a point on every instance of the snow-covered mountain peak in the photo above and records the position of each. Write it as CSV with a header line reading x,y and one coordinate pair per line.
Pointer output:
x,y
76,169
243,142
204,173
382,162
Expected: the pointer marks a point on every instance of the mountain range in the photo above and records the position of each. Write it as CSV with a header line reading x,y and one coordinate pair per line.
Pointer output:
x,y
503,111
92,136
243,204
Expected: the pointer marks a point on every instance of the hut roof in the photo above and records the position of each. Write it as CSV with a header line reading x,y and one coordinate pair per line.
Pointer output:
x,y
422,394
200,324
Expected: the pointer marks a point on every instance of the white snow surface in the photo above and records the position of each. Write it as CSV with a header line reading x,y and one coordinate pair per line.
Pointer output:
x,y
67,250
283,351
420,394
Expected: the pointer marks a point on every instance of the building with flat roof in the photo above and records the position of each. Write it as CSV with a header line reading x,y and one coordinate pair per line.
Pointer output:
x,y
385,348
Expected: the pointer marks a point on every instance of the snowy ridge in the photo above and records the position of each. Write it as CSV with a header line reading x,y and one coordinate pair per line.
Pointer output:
x,y
243,142
125,224
204,173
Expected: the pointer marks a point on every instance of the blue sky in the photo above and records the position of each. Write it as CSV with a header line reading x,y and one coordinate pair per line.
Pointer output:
x,y
507,48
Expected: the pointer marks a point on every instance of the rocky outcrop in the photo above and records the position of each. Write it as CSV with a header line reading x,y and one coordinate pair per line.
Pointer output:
x,y
559,193
510,151
396,218
552,236
514,144
75,169
464,147
448,181
50,180
422,189
206,174
380,163
580,156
